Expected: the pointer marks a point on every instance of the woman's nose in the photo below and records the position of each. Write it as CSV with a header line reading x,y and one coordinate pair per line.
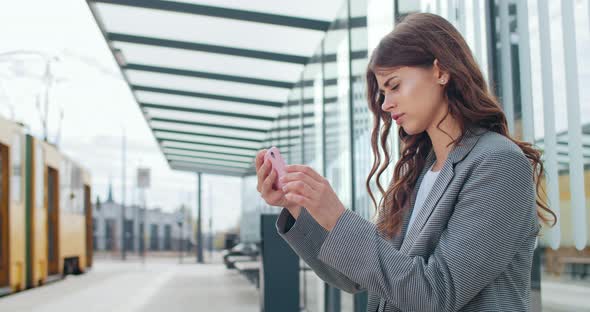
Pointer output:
x,y
388,103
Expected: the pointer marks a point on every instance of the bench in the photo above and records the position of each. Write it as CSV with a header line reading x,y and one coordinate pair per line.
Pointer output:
x,y
579,265
231,260
251,270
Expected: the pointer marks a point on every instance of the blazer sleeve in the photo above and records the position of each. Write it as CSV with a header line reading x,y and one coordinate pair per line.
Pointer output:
x,y
494,214
306,236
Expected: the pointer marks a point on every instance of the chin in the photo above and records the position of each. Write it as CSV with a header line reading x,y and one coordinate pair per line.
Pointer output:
x,y
408,130
411,130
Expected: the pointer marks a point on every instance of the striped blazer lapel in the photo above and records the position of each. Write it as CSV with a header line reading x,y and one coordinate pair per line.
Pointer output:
x,y
406,220
442,182
399,239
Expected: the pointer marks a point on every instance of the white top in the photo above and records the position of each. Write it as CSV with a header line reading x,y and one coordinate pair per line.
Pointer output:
x,y
423,191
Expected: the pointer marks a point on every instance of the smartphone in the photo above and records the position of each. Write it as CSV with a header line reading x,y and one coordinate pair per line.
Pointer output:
x,y
278,164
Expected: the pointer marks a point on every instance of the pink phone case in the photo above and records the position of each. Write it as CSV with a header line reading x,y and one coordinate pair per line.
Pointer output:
x,y
278,164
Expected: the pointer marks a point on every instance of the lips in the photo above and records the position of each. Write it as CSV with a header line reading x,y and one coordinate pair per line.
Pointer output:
x,y
396,116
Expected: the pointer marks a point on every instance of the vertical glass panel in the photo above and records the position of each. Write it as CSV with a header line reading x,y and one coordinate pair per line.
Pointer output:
x,y
544,109
336,100
506,51
337,123
475,31
380,20
252,205
293,124
312,287
543,66
362,121
312,110
319,118
574,125
281,133
359,120
272,134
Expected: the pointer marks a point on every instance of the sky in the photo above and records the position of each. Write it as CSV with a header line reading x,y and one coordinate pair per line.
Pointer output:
x,y
98,108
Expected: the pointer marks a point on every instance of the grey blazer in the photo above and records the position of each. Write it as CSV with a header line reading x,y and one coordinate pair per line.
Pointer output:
x,y
470,247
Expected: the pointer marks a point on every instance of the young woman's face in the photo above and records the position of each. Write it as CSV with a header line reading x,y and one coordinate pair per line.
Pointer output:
x,y
413,96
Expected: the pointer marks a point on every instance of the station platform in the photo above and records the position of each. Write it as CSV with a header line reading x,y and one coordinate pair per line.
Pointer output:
x,y
156,285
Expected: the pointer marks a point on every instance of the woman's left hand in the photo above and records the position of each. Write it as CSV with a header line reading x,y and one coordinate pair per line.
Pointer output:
x,y
307,188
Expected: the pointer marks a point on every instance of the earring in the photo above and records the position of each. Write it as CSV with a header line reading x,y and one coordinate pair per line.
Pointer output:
x,y
442,81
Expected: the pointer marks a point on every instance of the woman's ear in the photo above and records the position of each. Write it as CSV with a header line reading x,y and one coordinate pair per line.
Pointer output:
x,y
442,77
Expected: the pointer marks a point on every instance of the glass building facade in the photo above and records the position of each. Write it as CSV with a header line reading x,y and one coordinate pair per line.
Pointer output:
x,y
531,53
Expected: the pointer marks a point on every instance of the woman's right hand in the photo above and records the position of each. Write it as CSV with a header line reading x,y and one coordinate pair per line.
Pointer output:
x,y
266,178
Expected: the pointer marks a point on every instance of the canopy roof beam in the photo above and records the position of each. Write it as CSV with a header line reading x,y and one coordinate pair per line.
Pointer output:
x,y
209,48
208,75
206,135
221,12
204,111
214,161
246,149
208,96
182,149
206,169
209,164
205,124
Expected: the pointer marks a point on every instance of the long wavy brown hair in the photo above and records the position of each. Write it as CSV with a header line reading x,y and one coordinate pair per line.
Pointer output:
x,y
417,41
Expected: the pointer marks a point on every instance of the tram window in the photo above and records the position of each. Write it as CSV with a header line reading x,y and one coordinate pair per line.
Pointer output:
x,y
64,187
15,184
39,176
1,212
1,176
78,200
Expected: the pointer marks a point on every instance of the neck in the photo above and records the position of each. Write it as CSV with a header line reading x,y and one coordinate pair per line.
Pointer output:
x,y
441,138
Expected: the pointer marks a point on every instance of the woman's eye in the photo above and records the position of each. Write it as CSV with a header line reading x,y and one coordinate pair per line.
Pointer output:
x,y
395,88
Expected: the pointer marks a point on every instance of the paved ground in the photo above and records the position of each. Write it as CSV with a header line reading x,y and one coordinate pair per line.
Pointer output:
x,y
565,295
163,284
157,285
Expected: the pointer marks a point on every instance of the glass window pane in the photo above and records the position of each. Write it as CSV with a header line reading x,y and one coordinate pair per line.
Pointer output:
x,y
220,31
206,104
201,147
15,182
322,10
39,176
238,134
207,118
206,139
202,85
208,62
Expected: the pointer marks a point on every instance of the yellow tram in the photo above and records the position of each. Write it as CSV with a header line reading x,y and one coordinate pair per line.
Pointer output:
x,y
45,212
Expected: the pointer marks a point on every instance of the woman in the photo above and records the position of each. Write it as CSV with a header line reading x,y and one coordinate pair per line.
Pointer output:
x,y
457,226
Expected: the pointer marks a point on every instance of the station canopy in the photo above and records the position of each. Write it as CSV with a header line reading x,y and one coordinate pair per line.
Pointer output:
x,y
211,76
